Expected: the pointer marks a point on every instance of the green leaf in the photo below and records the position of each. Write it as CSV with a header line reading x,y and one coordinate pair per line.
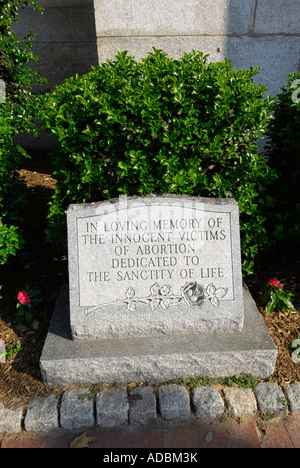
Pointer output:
x,y
295,344
270,307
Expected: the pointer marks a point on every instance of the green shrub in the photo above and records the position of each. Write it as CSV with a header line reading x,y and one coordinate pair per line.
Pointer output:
x,y
161,125
284,157
12,191
17,113
15,56
9,242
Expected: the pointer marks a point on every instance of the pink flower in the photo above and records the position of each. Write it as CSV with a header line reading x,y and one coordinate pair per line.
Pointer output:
x,y
274,282
23,298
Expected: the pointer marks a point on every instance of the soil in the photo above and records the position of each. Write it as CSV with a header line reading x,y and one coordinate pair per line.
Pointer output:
x,y
41,265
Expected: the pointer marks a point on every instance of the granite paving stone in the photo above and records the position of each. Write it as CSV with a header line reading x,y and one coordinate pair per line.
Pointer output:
x,y
270,398
42,414
142,405
293,394
208,402
112,407
174,402
76,410
240,401
10,419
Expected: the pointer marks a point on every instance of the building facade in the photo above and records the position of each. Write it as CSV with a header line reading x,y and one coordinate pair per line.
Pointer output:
x,y
72,35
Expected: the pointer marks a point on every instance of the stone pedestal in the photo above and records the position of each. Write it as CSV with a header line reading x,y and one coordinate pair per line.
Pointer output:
x,y
65,361
155,293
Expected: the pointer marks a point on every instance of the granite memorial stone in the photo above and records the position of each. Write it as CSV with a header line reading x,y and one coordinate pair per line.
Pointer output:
x,y
154,266
155,293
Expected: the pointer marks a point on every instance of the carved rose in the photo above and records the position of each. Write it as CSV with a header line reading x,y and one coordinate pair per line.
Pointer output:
x,y
193,294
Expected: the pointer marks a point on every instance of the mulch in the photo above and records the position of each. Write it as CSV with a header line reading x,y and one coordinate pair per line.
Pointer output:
x,y
283,326
41,265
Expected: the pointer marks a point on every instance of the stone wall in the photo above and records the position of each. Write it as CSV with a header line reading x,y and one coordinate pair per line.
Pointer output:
x,y
65,37
262,33
72,35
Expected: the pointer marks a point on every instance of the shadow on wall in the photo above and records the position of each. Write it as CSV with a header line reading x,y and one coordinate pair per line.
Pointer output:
x,y
264,34
65,43
65,38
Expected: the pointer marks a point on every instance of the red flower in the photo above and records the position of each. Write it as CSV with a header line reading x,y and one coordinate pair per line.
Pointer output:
x,y
274,282
23,298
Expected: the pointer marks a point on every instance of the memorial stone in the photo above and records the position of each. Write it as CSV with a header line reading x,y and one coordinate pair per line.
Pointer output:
x,y
154,266
155,293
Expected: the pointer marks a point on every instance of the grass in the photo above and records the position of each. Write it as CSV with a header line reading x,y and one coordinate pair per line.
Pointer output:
x,y
242,381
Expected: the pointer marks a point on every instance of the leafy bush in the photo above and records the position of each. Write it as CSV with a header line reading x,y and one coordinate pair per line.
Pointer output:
x,y
161,125
9,242
17,114
15,56
284,157
12,193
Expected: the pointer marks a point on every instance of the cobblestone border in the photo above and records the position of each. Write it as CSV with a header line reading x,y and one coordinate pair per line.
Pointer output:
x,y
121,406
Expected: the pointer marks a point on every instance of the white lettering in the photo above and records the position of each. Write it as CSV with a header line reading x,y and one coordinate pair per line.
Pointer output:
x,y
114,458
168,457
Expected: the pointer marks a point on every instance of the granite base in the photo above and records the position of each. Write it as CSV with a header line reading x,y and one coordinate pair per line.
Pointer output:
x,y
155,359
